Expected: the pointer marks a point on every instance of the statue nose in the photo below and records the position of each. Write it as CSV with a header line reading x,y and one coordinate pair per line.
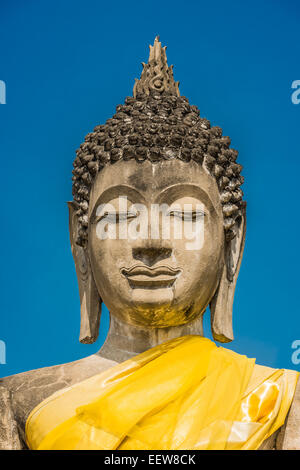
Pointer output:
x,y
151,255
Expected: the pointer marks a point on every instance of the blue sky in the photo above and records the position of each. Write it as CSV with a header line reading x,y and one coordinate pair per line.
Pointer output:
x,y
66,65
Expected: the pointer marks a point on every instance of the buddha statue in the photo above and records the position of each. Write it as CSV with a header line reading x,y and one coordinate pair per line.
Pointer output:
x,y
155,152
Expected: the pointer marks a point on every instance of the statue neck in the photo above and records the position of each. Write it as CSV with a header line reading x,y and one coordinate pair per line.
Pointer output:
x,y
124,341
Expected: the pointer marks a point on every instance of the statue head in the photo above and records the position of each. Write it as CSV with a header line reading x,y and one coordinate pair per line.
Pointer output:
x,y
157,222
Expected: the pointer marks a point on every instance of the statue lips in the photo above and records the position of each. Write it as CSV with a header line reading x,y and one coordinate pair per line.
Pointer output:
x,y
144,277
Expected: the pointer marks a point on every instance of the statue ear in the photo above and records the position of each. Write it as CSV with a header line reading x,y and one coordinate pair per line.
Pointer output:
x,y
222,302
90,300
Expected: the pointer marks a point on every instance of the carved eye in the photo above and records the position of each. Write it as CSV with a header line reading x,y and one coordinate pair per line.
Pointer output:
x,y
187,216
115,217
122,216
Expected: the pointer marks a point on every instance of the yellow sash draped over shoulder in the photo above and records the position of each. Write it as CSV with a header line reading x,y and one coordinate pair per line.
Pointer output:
x,y
184,394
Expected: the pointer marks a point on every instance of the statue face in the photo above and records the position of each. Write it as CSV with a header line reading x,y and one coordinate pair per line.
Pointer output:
x,y
156,240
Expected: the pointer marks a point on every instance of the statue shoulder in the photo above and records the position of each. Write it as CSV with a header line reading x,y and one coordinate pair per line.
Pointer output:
x,y
9,436
26,390
289,435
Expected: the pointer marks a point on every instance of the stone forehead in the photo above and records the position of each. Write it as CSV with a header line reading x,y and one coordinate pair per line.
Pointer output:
x,y
151,179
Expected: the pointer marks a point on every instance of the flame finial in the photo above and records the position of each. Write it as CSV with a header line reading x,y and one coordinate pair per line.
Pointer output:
x,y
156,75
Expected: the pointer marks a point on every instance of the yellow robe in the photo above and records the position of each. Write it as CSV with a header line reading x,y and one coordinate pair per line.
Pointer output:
x,y
184,394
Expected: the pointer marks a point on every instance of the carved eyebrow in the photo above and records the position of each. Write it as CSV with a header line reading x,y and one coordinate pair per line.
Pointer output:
x,y
185,189
116,191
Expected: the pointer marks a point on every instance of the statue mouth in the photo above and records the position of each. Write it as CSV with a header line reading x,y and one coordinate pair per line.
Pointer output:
x,y
144,277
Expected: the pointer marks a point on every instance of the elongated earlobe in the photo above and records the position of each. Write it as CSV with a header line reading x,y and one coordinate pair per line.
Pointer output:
x,y
90,300
222,302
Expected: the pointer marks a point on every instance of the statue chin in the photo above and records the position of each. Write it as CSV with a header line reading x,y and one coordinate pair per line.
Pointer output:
x,y
142,299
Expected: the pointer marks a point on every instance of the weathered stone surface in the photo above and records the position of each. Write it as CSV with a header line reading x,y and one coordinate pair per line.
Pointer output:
x,y
9,436
20,393
289,436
